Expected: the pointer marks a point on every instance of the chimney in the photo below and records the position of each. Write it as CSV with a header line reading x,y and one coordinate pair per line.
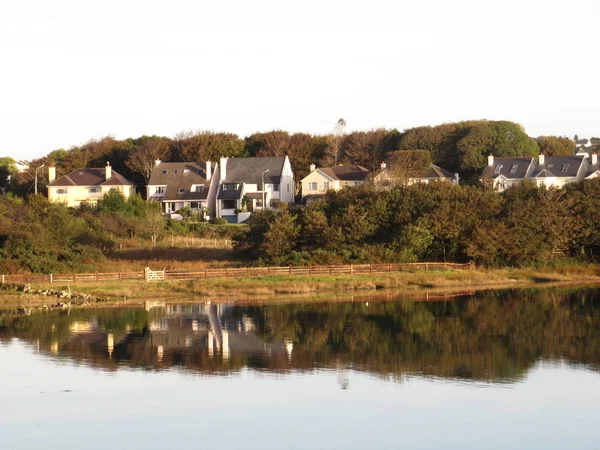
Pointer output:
x,y
541,159
490,160
223,167
208,170
594,158
157,162
107,171
51,174
383,165
312,167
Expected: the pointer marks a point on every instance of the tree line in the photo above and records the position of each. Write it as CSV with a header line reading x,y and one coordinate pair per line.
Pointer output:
x,y
458,147
524,225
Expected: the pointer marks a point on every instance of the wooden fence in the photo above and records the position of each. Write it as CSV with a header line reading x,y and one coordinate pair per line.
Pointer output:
x,y
149,275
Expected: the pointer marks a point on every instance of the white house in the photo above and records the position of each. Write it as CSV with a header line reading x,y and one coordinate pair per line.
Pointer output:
x,y
323,179
386,176
556,171
251,184
183,184
508,171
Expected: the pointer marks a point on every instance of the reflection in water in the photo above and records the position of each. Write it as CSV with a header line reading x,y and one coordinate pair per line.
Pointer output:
x,y
491,337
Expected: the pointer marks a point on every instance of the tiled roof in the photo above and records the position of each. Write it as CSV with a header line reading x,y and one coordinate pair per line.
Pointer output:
x,y
509,167
346,173
250,170
181,176
559,166
91,177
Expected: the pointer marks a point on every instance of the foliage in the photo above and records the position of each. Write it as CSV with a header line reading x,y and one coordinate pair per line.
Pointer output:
x,y
556,146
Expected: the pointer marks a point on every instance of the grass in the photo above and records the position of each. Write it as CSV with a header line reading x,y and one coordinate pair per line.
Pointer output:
x,y
278,286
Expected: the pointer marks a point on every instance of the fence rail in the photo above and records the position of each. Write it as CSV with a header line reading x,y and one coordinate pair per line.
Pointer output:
x,y
149,275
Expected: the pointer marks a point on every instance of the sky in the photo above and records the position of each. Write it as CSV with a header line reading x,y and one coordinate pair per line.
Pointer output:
x,y
71,71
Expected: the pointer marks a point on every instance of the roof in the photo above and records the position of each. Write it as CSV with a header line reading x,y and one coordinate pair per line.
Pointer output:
x,y
91,177
509,167
346,173
250,170
229,194
179,178
559,166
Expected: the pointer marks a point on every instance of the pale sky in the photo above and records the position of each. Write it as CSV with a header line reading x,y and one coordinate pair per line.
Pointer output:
x,y
75,70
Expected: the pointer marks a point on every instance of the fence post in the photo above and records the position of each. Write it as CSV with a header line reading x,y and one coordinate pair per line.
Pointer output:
x,y
330,269
389,267
351,269
120,276
74,276
247,271
51,278
3,279
426,266
96,276
205,273
226,272
309,270
370,268
290,269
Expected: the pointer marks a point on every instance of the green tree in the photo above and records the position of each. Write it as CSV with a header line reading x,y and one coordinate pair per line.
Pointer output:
x,y
556,146
281,236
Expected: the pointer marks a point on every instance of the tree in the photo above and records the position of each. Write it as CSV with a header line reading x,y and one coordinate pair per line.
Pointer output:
x,y
207,146
281,236
143,158
335,141
556,146
154,223
407,164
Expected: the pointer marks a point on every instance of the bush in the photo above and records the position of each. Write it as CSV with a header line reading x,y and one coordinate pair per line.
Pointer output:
x,y
219,221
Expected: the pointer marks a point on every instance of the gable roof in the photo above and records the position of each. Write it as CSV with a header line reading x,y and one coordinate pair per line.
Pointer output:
x,y
91,177
510,167
180,175
346,173
250,170
559,167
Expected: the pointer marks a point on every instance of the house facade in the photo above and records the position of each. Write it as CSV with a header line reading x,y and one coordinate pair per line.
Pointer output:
x,y
548,171
323,179
86,186
387,177
184,184
252,184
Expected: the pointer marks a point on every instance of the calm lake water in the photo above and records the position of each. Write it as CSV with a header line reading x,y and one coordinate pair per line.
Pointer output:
x,y
498,370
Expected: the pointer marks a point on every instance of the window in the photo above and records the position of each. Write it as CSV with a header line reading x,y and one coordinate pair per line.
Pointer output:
x,y
186,171
357,183
62,191
565,167
550,166
94,190
311,186
259,203
276,187
159,190
497,170
513,169
175,172
181,190
228,204
195,205
164,172
197,188
502,184
326,185
230,187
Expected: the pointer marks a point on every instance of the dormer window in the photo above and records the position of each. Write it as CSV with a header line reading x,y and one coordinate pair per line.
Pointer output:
x,y
550,166
497,170
565,167
175,172
181,190
197,188
159,190
513,169
230,187
164,172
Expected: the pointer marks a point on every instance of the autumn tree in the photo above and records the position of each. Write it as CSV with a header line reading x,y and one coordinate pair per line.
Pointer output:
x,y
556,146
143,158
335,142
207,146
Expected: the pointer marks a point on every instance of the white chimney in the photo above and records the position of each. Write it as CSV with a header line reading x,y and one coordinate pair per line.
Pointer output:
x,y
541,159
383,165
223,168
157,162
312,167
208,170
594,158
108,171
490,160
51,174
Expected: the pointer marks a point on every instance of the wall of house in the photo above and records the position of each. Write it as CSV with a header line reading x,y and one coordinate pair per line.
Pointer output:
x,y
287,184
76,195
319,178
212,191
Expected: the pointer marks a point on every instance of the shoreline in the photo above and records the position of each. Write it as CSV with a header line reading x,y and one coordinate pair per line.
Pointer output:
x,y
269,289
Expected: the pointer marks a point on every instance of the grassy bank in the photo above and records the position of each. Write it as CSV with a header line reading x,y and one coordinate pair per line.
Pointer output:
x,y
410,282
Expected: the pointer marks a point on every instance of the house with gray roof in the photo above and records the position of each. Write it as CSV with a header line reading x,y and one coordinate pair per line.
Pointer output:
x,y
322,179
252,184
548,171
387,177
86,186
505,172
177,185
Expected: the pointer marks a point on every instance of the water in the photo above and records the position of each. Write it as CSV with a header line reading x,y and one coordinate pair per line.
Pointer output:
x,y
506,369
